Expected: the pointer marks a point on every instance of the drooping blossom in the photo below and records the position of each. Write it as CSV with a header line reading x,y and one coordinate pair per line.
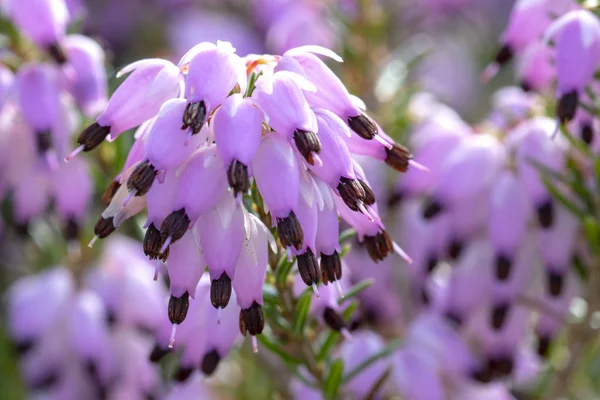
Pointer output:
x,y
576,35
80,335
218,127
40,109
482,253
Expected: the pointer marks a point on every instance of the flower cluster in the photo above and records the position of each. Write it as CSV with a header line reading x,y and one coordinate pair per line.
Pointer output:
x,y
205,339
492,282
572,61
502,230
81,335
93,334
225,144
40,110
494,229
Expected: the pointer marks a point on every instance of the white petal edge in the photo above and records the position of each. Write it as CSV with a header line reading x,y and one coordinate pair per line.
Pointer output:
x,y
314,49
141,63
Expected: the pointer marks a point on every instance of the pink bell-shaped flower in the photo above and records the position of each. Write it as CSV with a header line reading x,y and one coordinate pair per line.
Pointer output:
x,y
221,233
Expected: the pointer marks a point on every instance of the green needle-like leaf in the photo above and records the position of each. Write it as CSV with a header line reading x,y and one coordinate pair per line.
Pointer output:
x,y
347,314
379,384
280,351
549,172
575,142
252,83
591,228
334,379
347,234
345,250
270,294
563,199
328,344
283,270
301,313
355,290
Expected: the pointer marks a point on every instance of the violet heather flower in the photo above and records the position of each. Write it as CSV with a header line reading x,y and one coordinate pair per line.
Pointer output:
x,y
139,98
479,257
89,81
39,113
80,336
576,35
202,132
526,25
42,21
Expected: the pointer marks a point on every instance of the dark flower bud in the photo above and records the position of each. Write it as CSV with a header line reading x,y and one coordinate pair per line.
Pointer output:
x,y
424,294
526,86
432,262
183,373
504,55
331,267
178,308
395,199
142,178
355,324
363,125
153,243
102,391
307,143
44,141
587,134
174,226
252,320
237,176
556,283
158,353
308,267
111,318
431,208
290,231
543,345
498,316
503,267
71,229
23,346
483,375
545,214
334,319
455,248
220,291
501,366
57,53
93,136
210,362
109,193
194,116
92,369
22,228
379,246
454,317
46,381
369,197
371,316
352,192
567,106
104,227
398,157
